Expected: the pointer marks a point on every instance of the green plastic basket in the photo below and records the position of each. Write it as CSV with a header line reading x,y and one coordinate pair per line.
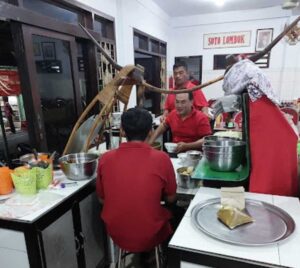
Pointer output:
x,y
24,181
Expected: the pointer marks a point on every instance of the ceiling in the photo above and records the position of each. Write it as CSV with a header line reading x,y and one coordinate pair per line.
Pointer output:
x,y
176,8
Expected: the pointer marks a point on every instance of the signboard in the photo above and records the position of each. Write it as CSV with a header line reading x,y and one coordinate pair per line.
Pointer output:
x,y
226,40
9,82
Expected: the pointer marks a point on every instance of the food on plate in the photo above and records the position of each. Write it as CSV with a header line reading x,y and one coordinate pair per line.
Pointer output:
x,y
233,217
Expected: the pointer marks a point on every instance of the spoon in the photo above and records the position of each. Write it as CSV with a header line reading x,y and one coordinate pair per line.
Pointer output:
x,y
52,156
35,154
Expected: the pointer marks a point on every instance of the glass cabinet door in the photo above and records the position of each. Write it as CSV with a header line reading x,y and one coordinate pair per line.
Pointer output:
x,y
53,75
55,88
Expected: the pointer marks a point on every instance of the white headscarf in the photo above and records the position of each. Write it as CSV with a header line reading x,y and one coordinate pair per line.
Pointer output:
x,y
246,75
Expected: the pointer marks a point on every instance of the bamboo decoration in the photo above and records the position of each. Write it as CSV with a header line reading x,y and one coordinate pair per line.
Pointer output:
x,y
121,85
118,89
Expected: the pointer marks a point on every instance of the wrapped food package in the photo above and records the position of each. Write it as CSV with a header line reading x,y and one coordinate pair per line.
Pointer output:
x,y
232,208
233,197
233,217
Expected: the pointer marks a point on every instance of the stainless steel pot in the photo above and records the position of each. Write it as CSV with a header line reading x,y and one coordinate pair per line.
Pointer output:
x,y
27,158
224,155
80,166
209,139
193,157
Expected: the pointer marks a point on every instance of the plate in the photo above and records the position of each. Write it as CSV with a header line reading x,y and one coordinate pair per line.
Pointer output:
x,y
271,224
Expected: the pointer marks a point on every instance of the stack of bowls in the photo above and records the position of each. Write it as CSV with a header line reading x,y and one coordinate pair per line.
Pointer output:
x,y
224,154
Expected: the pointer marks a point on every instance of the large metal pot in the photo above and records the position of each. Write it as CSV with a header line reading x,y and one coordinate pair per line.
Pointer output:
x,y
28,158
79,166
212,138
224,155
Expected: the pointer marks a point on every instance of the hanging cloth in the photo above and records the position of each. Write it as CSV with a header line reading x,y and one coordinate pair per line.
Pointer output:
x,y
273,150
273,142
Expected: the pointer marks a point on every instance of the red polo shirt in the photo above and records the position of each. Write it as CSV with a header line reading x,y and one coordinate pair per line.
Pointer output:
x,y
131,181
199,98
192,128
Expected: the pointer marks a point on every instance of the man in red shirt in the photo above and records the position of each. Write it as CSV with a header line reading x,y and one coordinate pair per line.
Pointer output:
x,y
181,77
188,125
132,180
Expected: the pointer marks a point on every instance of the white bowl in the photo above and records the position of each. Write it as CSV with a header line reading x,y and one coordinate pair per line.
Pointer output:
x,y
170,147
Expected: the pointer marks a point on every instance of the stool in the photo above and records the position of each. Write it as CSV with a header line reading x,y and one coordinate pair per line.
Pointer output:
x,y
158,257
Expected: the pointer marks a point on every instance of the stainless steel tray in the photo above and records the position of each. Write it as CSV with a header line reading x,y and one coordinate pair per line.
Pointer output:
x,y
271,224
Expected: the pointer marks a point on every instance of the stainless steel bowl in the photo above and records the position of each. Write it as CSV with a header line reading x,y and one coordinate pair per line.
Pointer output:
x,y
209,139
28,158
193,157
224,155
80,166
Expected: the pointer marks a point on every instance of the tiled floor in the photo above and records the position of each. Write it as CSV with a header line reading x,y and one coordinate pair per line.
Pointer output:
x,y
133,261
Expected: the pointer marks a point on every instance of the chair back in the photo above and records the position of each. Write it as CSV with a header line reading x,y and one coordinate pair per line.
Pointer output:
x,y
293,112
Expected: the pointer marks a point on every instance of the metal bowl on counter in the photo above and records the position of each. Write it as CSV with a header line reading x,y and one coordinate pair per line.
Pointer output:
x,y
184,178
193,157
28,158
212,138
224,155
79,166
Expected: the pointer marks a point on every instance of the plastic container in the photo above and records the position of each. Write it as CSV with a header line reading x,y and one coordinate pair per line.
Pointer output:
x,y
6,185
24,180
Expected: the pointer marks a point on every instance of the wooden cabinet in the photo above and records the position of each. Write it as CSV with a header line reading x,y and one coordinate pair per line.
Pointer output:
x,y
59,245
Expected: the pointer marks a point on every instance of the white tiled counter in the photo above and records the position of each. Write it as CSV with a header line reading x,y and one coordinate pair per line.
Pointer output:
x,y
189,247
66,232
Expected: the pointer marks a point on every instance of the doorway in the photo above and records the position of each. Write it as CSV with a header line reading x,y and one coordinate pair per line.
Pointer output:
x,y
152,65
12,116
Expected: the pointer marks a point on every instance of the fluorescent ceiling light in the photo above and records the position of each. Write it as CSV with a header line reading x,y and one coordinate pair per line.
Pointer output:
x,y
289,4
219,3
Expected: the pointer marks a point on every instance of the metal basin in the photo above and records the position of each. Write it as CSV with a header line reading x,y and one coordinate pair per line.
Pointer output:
x,y
209,139
224,155
80,166
27,158
193,157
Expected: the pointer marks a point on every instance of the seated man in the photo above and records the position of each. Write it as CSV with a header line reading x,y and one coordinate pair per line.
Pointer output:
x,y
132,180
188,125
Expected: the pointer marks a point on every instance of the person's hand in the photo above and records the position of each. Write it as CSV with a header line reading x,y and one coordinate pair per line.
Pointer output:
x,y
181,147
162,118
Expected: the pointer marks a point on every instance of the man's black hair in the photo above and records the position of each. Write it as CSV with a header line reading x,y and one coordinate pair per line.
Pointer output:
x,y
191,96
5,98
180,64
136,123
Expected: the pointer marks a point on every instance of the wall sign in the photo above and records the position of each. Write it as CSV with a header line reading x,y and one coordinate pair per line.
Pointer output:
x,y
225,40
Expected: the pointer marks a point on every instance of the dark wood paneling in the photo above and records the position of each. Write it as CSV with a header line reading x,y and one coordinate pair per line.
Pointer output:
x,y
30,99
15,13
